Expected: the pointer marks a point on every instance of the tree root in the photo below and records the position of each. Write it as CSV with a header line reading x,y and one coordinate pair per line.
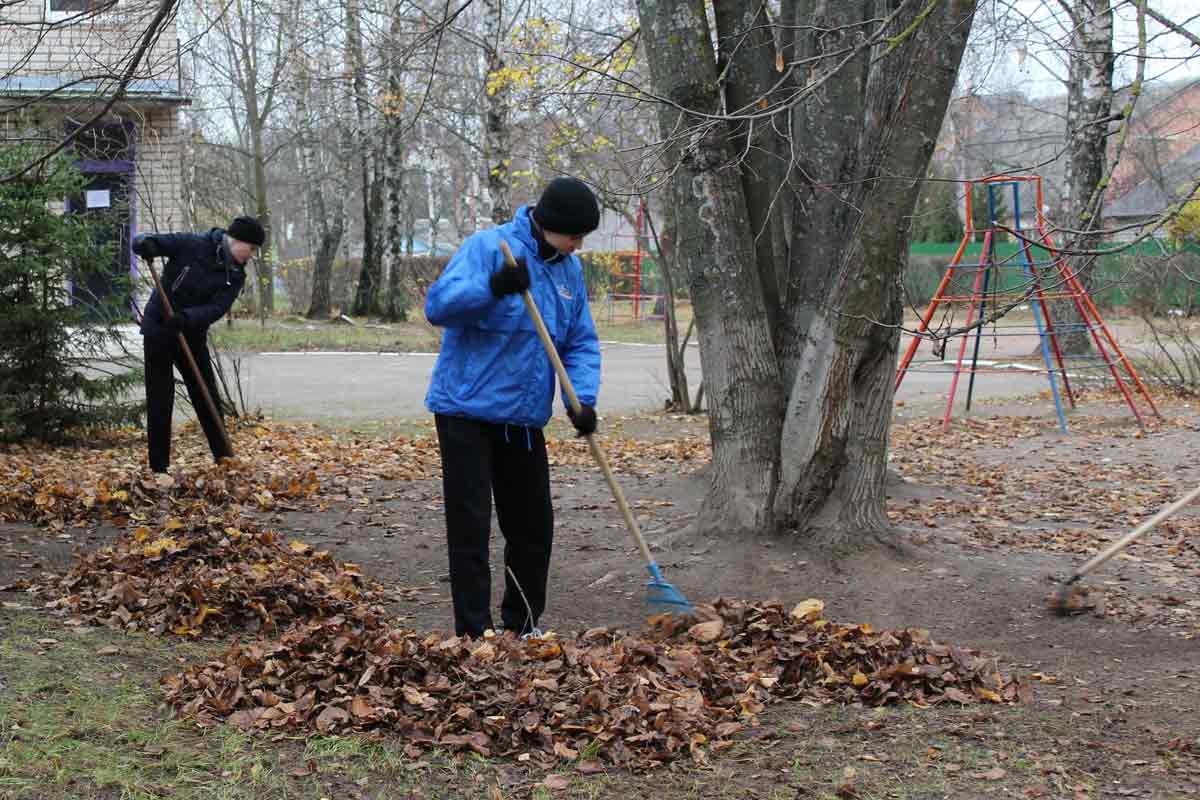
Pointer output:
x,y
835,545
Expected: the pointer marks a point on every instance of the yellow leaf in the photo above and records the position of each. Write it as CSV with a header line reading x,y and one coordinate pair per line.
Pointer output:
x,y
808,610
988,694
299,547
359,707
707,631
159,546
203,614
859,679
173,524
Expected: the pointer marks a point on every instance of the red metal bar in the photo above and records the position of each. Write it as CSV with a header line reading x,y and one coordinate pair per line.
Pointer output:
x,y
1062,367
968,234
637,260
962,348
1083,300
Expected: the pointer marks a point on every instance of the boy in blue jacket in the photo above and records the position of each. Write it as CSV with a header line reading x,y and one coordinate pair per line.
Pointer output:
x,y
203,275
492,392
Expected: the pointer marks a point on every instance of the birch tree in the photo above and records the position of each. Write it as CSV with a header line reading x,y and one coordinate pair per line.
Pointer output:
x,y
370,276
326,181
498,136
1091,61
798,349
250,52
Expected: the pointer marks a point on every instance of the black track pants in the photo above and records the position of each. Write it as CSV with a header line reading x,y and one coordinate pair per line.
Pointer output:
x,y
160,359
480,461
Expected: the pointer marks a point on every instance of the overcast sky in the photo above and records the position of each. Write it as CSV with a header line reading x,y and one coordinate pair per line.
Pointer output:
x,y
1029,52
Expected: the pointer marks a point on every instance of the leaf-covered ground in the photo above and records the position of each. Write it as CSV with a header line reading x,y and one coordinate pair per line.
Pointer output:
x,y
321,553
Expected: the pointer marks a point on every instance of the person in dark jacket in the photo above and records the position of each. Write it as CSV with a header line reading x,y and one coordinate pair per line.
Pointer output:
x,y
203,275
492,392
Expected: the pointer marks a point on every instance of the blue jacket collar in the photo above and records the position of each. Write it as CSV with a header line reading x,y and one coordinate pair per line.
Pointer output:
x,y
525,228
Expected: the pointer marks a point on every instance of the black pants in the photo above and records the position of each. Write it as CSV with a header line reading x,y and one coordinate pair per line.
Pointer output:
x,y
160,357
480,461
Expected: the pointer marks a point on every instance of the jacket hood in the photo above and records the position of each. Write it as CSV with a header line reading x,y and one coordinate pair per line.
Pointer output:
x,y
522,228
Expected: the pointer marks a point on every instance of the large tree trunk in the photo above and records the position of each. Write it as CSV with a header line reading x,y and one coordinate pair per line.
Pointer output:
x,y
266,276
328,233
798,342
366,298
1089,107
681,399
497,145
714,244
397,303
745,33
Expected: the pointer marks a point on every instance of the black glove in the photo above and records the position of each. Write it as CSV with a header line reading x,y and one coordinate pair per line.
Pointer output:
x,y
584,421
510,280
178,322
145,247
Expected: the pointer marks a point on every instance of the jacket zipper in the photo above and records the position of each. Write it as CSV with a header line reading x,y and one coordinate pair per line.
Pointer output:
x,y
179,280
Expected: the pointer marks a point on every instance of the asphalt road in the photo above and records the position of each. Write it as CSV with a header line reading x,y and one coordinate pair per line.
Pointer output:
x,y
360,387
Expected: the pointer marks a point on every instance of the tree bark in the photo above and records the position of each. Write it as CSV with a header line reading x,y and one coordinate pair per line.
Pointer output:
x,y
1089,108
746,57
328,231
714,244
497,135
366,298
397,303
799,369
676,355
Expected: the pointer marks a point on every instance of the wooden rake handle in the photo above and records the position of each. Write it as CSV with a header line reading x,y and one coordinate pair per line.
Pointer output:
x,y
573,399
187,355
1119,544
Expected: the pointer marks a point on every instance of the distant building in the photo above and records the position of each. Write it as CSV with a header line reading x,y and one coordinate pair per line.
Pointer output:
x,y
1146,202
60,63
1010,133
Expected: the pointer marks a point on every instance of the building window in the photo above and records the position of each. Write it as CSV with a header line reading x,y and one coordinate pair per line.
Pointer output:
x,y
57,10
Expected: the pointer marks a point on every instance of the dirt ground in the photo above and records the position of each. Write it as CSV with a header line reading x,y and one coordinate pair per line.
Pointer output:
x,y
1116,709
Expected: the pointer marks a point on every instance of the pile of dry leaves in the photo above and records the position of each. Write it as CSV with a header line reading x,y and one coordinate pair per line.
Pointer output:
x,y
279,466
683,689
207,578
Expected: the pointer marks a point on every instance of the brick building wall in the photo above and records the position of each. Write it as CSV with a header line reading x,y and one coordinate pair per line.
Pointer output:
x,y
38,41
40,51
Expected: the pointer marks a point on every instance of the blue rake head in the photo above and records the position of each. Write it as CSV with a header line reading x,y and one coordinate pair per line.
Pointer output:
x,y
662,596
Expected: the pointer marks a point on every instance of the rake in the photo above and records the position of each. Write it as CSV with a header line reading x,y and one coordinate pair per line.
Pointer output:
x,y
660,594
191,360
1062,601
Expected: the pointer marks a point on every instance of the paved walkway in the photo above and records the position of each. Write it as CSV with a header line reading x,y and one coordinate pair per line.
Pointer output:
x,y
356,387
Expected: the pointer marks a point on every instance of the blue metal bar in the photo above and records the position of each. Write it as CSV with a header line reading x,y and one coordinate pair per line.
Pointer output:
x,y
989,264
1039,308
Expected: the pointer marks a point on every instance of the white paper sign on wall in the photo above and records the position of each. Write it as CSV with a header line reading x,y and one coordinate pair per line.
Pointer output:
x,y
98,198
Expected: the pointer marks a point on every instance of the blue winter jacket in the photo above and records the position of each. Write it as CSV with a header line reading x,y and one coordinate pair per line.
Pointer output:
x,y
492,365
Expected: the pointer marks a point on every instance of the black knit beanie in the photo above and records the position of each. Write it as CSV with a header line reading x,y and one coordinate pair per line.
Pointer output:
x,y
248,230
567,206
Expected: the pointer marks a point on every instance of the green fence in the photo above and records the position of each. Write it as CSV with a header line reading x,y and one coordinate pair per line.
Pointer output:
x,y
1116,282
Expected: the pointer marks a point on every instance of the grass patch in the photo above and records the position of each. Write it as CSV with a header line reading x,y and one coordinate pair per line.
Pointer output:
x,y
80,721
296,334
